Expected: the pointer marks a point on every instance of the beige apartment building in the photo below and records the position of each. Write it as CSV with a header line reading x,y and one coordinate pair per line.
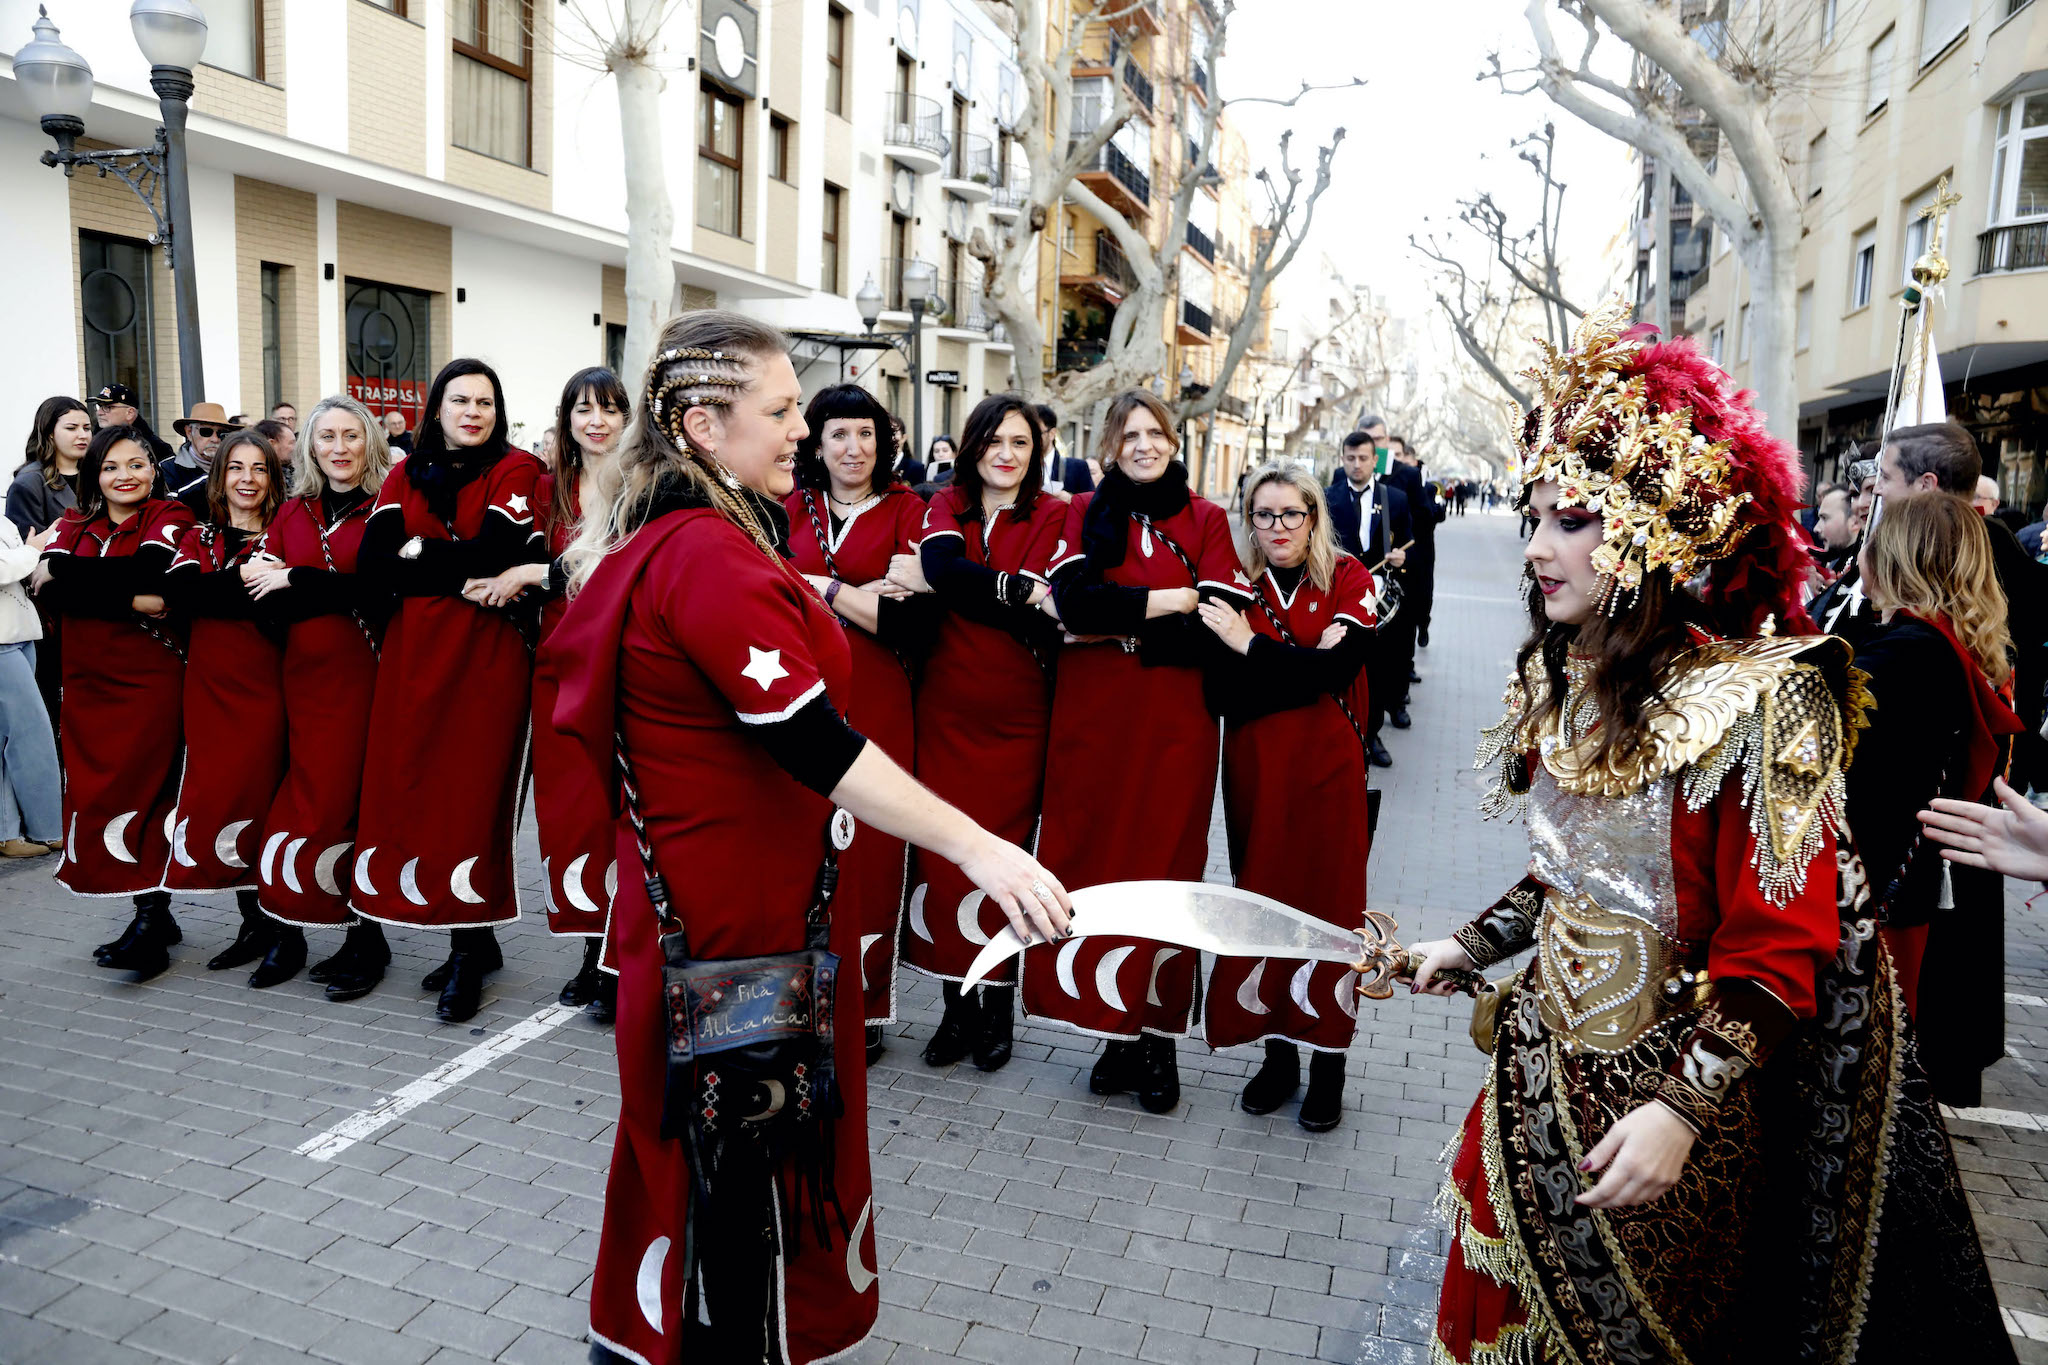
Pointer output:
x,y
1904,93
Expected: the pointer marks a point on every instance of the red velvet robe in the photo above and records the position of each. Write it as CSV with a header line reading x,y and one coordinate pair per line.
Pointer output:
x,y
124,746
234,736
682,639
983,710
330,678
577,858
1130,780
1295,809
448,729
874,874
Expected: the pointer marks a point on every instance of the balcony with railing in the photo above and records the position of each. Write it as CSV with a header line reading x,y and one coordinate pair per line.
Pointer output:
x,y
1139,84
2015,246
961,306
894,299
1112,175
1080,353
1201,244
1135,17
1107,274
1195,324
1198,77
914,132
971,171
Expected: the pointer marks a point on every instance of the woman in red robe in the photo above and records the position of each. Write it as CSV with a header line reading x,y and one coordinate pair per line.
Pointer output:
x,y
984,703
574,821
847,519
695,654
124,673
1291,691
447,747
1130,774
234,705
331,620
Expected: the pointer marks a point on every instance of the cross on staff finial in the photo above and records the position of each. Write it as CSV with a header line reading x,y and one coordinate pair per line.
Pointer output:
x,y
1945,199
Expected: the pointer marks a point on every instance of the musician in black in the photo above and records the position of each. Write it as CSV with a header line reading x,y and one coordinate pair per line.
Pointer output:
x,y
1370,516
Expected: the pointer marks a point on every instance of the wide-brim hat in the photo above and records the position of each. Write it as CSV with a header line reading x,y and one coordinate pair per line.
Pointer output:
x,y
212,414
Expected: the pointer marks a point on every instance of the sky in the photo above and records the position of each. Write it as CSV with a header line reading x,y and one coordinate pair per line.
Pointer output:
x,y
1421,134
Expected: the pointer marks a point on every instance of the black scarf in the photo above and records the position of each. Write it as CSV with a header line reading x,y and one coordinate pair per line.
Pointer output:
x,y
671,494
441,479
1106,529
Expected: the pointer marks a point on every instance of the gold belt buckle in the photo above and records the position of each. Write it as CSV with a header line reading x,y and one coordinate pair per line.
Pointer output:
x,y
1608,978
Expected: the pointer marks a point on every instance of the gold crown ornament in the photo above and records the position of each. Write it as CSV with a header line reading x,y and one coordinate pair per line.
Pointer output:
x,y
1662,490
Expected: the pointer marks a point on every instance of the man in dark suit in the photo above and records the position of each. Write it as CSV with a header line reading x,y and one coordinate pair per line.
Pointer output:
x,y
1063,472
1369,515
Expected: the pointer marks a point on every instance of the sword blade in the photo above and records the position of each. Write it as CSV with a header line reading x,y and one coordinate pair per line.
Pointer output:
x,y
1215,919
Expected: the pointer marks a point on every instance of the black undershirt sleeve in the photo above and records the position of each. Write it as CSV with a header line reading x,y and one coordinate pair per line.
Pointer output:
x,y
1274,676
443,566
977,592
908,624
814,745
315,592
220,595
1090,606
106,588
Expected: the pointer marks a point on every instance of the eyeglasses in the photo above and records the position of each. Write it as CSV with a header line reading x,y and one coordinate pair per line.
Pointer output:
x,y
194,429
1266,519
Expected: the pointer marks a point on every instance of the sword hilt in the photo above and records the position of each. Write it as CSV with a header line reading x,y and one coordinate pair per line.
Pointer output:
x,y
1475,984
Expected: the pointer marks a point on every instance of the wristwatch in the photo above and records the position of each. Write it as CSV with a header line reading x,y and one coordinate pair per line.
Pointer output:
x,y
411,549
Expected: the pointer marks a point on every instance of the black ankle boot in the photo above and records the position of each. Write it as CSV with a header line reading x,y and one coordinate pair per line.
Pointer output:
x,y
954,1037
355,971
992,1045
1115,1071
286,958
1323,1106
252,940
1158,1071
1274,1083
875,1043
582,987
437,979
474,954
127,940
604,1006
148,940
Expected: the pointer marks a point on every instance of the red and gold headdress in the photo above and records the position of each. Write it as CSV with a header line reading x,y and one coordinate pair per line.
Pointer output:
x,y
1677,463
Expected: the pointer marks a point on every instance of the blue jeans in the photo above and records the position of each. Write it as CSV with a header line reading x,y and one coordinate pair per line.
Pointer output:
x,y
31,785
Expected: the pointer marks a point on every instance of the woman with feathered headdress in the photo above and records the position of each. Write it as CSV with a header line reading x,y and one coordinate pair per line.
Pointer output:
x,y
1704,1135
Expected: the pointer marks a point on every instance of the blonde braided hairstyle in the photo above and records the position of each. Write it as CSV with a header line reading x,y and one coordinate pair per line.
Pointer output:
x,y
707,359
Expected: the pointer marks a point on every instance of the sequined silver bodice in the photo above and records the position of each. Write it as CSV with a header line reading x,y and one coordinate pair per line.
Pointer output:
x,y
1615,851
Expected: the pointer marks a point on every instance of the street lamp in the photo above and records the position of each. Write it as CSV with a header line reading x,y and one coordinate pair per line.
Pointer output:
x,y
917,280
59,83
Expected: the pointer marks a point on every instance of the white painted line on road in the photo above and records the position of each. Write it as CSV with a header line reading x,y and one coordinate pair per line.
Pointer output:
x,y
2003,1118
2020,1323
2015,998
356,1127
2022,1062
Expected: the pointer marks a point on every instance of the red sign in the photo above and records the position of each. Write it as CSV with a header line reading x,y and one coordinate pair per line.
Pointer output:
x,y
380,396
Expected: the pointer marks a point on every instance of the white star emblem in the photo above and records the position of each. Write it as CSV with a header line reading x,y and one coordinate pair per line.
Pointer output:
x,y
1366,602
1239,578
764,666
517,502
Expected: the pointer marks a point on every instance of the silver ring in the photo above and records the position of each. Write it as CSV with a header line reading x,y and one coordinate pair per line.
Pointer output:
x,y
1042,891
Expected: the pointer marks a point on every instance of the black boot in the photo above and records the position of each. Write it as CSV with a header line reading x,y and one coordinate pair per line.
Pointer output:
x,y
604,1006
1323,1106
875,1043
1115,1071
582,987
1380,757
148,940
355,971
954,1038
437,979
1274,1083
1158,1072
286,958
127,939
252,940
992,1045
473,955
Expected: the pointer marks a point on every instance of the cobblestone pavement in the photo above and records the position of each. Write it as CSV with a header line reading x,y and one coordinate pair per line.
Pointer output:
x,y
155,1204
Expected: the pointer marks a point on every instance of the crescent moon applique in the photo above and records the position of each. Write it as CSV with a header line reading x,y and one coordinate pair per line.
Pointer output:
x,y
116,835
178,850
1347,995
71,839
1063,967
409,882
324,865
970,918
224,844
1298,988
917,924
1248,990
363,872
1159,959
647,1284
460,888
611,881
1105,976
857,1273
867,941
289,867
572,886
267,865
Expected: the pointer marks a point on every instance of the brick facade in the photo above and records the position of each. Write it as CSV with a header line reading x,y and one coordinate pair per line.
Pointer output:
x,y
278,226
390,248
387,121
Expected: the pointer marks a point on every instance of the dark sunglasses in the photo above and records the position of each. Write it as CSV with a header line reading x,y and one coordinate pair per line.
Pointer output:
x,y
196,430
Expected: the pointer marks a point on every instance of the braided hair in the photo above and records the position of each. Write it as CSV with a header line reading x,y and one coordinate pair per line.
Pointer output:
x,y
706,358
